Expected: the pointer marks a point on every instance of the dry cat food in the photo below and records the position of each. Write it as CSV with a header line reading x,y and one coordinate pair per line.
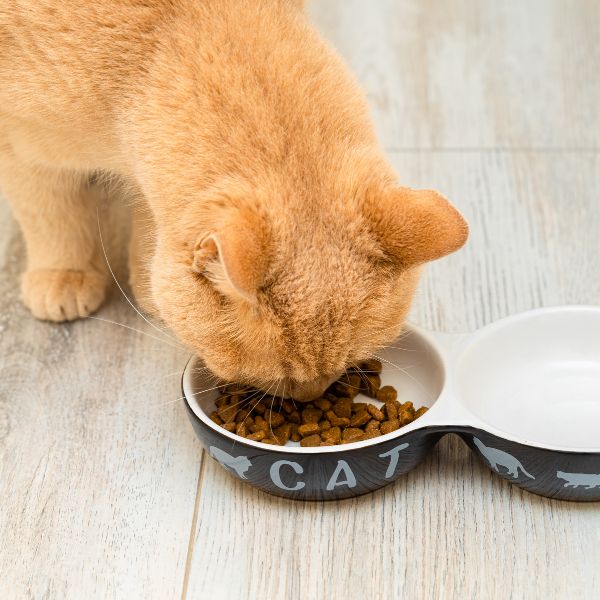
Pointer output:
x,y
333,419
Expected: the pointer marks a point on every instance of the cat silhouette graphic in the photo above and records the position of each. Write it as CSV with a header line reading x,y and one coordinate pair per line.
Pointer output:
x,y
237,464
587,480
498,457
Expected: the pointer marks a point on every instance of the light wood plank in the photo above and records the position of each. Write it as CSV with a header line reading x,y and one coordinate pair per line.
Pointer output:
x,y
450,529
472,73
98,475
98,479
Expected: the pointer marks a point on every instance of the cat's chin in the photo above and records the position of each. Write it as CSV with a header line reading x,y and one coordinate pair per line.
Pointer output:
x,y
308,391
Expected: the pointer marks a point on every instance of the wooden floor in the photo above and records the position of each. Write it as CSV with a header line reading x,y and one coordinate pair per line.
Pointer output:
x,y
105,491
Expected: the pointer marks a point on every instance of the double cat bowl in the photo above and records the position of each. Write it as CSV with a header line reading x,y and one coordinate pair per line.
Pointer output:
x,y
523,393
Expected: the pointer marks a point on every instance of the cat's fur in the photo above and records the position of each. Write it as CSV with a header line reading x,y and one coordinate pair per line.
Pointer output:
x,y
274,239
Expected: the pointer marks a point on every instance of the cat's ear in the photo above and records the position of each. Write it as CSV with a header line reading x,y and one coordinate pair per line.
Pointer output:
x,y
234,257
416,226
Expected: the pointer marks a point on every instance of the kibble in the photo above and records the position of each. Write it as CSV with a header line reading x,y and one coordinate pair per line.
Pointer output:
x,y
311,415
375,412
308,429
311,440
387,393
328,421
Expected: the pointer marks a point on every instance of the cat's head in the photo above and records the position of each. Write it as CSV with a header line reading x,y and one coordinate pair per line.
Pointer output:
x,y
286,295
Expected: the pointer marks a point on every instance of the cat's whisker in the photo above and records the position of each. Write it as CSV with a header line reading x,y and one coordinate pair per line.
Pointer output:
x,y
119,285
244,401
163,341
403,349
271,408
403,370
198,393
162,404
360,372
216,387
253,407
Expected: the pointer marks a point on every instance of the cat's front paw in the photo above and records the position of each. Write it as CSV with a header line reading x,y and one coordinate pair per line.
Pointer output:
x,y
62,295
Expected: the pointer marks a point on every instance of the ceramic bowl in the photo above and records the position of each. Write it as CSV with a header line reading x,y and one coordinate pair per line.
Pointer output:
x,y
523,393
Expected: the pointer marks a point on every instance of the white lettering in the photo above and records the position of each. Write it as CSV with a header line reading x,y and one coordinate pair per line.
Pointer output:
x,y
393,454
276,477
350,480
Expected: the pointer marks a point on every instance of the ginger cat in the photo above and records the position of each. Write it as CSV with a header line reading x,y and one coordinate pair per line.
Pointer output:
x,y
274,239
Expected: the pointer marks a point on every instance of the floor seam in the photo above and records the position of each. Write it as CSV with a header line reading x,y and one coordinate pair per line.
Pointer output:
x,y
499,149
192,538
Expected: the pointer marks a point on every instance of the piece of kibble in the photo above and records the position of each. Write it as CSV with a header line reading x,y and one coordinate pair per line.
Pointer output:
x,y
322,403
389,426
241,416
257,436
406,417
311,440
421,412
407,406
294,435
352,434
370,366
227,413
270,440
221,401
343,407
331,397
311,415
326,444
354,380
259,425
287,406
241,429
324,425
360,418
333,435
274,419
344,390
373,425
387,393
282,433
372,385
216,418
372,433
229,426
337,421
259,408
375,412
391,410
294,417
358,406
308,429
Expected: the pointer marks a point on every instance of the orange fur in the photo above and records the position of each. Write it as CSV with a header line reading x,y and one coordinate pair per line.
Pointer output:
x,y
274,239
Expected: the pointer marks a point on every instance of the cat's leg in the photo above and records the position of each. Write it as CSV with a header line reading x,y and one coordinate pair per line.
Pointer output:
x,y
141,250
65,277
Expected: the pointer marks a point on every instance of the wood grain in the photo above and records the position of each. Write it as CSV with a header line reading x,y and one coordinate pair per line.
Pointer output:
x,y
103,491
470,73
